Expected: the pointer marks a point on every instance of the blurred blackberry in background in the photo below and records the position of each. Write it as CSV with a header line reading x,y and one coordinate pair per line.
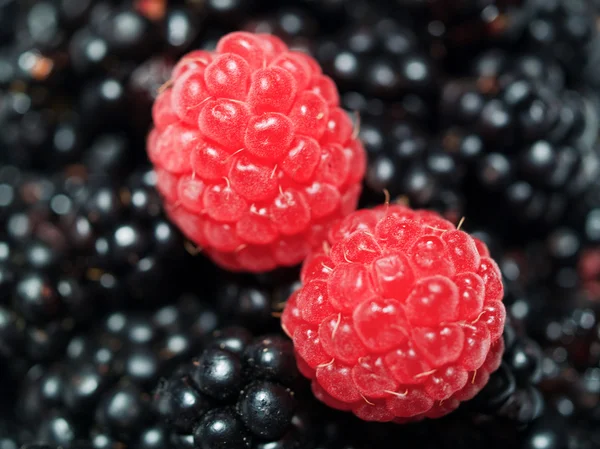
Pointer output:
x,y
10,437
589,271
528,140
511,392
575,397
100,390
406,162
42,298
457,29
248,302
128,249
85,69
75,247
568,330
383,58
564,29
297,27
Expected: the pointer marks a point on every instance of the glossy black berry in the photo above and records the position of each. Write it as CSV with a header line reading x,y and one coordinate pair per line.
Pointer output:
x,y
266,409
239,390
221,429
123,411
218,374
530,128
103,385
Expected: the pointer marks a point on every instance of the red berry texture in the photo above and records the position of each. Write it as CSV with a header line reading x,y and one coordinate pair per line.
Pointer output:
x,y
254,157
399,316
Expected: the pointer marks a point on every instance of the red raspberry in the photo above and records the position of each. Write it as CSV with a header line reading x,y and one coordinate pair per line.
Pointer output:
x,y
254,156
399,316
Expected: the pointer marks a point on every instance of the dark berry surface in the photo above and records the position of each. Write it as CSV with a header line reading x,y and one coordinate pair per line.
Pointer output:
x,y
100,389
486,111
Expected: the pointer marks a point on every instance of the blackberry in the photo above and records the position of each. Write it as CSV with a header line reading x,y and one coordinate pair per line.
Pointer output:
x,y
565,29
41,301
584,216
7,25
81,72
142,89
562,29
407,163
589,272
575,398
331,14
297,27
456,26
10,437
583,227
569,331
72,249
124,242
239,392
511,393
100,390
384,59
245,301
528,139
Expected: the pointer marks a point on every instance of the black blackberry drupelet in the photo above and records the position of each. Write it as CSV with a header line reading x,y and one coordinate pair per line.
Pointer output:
x,y
239,392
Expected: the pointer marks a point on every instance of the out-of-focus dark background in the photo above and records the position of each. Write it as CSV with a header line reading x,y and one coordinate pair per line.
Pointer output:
x,y
484,109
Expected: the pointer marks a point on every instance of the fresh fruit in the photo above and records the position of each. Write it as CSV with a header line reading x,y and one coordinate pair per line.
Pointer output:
x,y
100,390
407,163
385,59
239,392
527,137
254,305
399,316
254,157
75,246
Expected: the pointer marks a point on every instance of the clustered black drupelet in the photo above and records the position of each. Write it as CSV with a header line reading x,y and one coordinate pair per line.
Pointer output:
x,y
239,392
110,332
100,390
75,246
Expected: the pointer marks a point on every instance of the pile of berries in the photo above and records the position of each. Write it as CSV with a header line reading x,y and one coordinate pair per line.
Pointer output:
x,y
337,224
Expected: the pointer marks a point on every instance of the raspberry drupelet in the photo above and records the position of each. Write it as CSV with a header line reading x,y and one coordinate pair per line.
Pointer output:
x,y
254,156
399,316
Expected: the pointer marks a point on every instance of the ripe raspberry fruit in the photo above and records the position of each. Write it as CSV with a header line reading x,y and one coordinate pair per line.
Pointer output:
x,y
255,158
399,316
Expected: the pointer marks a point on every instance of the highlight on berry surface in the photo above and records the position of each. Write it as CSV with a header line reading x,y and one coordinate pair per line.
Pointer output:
x,y
399,316
254,156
